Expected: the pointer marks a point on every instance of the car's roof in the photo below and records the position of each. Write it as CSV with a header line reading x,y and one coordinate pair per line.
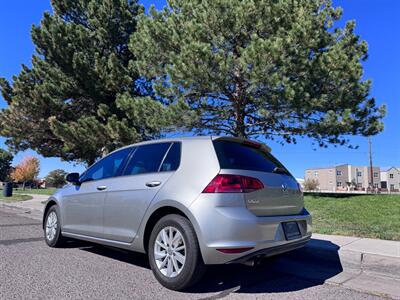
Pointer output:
x,y
190,138
171,139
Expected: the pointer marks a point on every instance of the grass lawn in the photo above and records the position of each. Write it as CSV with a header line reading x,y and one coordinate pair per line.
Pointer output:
x,y
15,197
373,216
49,191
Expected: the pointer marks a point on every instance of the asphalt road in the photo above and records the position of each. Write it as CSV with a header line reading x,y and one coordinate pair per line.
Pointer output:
x,y
29,269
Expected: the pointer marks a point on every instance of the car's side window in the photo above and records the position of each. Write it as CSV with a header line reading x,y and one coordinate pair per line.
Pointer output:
x,y
146,159
109,166
173,158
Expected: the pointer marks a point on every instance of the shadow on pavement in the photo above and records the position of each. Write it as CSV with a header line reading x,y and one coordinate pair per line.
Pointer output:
x,y
293,271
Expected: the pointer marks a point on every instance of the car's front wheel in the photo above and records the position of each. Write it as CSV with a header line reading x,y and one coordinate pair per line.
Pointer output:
x,y
52,228
174,253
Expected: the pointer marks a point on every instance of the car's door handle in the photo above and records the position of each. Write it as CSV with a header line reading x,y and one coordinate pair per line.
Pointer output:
x,y
101,187
153,183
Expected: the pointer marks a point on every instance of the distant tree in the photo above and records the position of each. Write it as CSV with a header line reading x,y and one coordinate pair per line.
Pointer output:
x,y
260,68
311,184
27,170
80,98
5,164
56,178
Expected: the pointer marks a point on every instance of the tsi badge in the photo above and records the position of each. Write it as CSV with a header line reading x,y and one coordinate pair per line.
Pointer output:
x,y
253,201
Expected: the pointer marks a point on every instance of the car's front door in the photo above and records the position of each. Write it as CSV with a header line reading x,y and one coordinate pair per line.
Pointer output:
x,y
130,195
84,203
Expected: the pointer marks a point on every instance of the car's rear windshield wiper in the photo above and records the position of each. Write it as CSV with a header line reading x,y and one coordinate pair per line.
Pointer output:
x,y
280,170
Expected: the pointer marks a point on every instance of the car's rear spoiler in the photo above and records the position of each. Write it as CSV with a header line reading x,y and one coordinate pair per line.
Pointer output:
x,y
255,144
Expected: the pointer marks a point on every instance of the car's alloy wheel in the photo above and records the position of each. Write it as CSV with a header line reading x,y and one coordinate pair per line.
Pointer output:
x,y
170,251
51,225
52,228
174,253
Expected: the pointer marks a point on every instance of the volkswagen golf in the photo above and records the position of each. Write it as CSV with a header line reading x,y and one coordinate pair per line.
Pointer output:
x,y
186,202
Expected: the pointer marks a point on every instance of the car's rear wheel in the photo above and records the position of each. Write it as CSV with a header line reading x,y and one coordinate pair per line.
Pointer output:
x,y
174,253
52,228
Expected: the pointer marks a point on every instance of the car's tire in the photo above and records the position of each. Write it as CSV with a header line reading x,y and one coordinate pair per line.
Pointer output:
x,y
167,265
52,228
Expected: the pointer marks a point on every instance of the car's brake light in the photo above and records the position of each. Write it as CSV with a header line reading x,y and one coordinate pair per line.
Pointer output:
x,y
227,183
252,144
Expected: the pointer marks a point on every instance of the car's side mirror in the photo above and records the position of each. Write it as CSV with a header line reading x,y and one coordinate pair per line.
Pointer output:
x,y
73,178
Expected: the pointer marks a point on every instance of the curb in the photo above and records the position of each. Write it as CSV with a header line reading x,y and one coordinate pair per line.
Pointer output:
x,y
359,261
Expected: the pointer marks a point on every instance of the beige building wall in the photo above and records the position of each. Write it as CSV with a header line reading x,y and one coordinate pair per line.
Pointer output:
x,y
392,178
342,177
376,180
324,176
362,176
339,178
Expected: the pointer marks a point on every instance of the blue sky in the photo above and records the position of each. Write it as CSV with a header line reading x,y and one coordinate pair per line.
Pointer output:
x,y
377,22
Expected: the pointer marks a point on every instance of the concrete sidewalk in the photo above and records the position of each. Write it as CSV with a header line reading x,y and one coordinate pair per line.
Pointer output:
x,y
36,203
33,207
364,264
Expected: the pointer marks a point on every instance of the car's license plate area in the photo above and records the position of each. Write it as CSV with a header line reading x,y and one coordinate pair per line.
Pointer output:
x,y
291,230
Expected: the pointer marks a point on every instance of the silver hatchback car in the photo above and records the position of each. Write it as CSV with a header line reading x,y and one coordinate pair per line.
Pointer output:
x,y
186,202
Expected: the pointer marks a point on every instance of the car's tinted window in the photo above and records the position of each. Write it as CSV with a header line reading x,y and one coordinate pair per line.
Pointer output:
x,y
109,166
235,155
173,158
146,159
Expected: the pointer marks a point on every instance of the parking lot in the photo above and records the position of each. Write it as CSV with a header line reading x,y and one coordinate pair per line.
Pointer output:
x,y
31,270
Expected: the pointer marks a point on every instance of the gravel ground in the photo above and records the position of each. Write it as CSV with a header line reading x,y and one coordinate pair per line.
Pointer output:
x,y
31,270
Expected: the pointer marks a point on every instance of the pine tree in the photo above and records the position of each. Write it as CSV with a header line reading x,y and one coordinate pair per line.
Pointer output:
x,y
279,69
80,99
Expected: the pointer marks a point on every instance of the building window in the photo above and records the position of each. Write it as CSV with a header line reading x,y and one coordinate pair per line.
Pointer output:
x,y
359,185
316,174
392,187
338,173
391,176
339,184
359,173
375,174
376,185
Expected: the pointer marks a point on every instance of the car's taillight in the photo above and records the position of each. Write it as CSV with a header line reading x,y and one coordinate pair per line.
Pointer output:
x,y
227,183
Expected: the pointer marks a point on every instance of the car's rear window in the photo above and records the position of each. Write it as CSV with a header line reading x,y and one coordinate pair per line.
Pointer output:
x,y
235,155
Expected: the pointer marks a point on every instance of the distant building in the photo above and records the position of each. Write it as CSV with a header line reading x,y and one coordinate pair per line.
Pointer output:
x,y
344,177
390,179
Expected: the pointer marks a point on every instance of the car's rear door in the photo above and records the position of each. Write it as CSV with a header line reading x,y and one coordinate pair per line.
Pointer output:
x,y
83,204
129,196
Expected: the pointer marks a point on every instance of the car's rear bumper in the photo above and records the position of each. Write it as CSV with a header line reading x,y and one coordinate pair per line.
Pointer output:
x,y
234,226
267,252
